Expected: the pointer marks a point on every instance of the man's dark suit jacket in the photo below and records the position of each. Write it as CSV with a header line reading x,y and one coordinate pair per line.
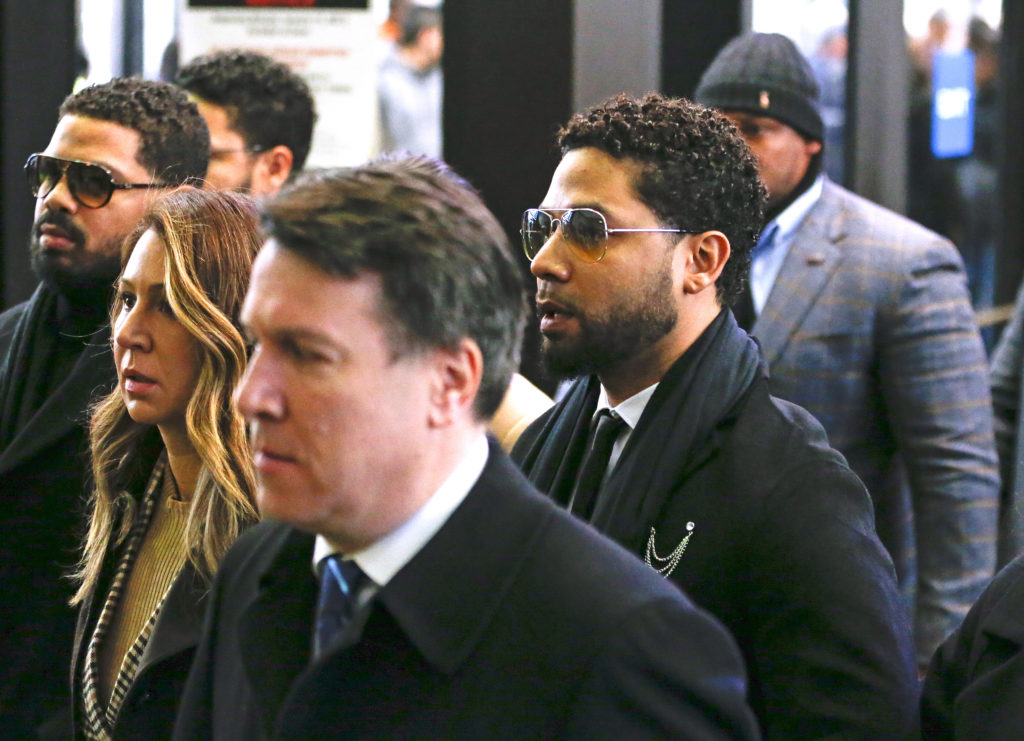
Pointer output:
x,y
975,684
783,551
43,485
513,621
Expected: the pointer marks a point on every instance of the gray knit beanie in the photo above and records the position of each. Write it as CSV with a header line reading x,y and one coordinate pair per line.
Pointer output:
x,y
766,75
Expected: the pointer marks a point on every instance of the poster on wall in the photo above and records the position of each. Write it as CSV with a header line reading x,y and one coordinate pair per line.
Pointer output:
x,y
334,44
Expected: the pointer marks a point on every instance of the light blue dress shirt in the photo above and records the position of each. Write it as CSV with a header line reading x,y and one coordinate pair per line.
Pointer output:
x,y
766,260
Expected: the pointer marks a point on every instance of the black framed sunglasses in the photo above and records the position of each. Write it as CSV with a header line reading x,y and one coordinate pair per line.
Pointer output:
x,y
584,229
90,184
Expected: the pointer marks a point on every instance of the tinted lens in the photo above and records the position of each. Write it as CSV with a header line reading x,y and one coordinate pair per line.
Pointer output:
x,y
585,229
536,230
43,174
89,184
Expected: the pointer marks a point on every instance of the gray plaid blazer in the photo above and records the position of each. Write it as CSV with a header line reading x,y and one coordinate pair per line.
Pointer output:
x,y
869,327
1007,376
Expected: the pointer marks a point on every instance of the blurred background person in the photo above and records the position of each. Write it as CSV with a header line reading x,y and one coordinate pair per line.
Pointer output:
x,y
173,475
410,87
261,116
829,66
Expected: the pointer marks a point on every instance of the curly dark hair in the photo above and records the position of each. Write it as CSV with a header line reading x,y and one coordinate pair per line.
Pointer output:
x,y
266,102
696,172
174,143
445,265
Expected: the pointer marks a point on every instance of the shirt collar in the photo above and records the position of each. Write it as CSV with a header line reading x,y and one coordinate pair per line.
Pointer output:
x,y
385,558
631,409
790,219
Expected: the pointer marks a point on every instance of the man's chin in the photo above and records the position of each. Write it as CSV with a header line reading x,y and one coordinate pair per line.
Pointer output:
x,y
90,288
566,358
66,268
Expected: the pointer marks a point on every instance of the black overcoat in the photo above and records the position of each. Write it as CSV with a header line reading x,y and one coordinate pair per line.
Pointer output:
x,y
514,621
782,545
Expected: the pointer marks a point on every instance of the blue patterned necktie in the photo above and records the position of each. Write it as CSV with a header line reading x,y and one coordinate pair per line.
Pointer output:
x,y
340,581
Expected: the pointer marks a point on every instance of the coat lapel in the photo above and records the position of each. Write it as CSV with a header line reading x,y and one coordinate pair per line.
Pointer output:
x,y
812,261
179,624
436,598
275,628
1006,619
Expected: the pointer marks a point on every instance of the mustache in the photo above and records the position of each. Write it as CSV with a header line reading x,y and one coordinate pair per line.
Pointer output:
x,y
548,296
60,220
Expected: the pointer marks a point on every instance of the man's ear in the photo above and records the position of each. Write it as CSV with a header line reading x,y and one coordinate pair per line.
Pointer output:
x,y
457,381
705,256
271,170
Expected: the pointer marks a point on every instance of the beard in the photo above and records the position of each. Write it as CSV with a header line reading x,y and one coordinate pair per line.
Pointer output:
x,y
73,271
618,332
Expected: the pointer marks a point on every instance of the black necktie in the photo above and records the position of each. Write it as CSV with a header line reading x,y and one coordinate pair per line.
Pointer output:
x,y
340,581
595,460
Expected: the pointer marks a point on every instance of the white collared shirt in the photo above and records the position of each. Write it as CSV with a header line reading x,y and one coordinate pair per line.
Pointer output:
x,y
386,557
765,265
630,411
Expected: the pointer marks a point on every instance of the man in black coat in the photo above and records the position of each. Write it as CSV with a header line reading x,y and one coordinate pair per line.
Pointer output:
x,y
974,688
115,144
640,244
454,602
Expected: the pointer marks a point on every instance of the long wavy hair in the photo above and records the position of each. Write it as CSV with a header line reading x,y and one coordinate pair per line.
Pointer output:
x,y
210,240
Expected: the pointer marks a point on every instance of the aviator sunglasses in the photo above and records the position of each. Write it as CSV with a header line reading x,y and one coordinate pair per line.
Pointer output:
x,y
90,184
584,229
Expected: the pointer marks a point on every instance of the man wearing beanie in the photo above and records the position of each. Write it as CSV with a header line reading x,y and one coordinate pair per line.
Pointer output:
x,y
865,320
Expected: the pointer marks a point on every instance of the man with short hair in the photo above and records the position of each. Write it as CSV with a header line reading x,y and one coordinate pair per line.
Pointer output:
x,y
409,86
261,116
115,146
865,320
670,442
454,602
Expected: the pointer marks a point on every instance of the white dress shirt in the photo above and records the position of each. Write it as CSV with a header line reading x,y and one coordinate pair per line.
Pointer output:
x,y
386,557
630,411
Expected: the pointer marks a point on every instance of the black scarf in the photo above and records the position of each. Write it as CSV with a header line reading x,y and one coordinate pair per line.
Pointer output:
x,y
676,434
31,372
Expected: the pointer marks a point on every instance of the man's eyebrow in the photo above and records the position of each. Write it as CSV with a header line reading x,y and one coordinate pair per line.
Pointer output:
x,y
294,333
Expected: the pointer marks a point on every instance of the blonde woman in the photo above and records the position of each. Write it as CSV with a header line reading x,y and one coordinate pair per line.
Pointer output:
x,y
173,480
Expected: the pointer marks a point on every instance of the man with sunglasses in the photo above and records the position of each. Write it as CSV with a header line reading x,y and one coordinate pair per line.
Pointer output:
x,y
116,146
669,441
260,114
